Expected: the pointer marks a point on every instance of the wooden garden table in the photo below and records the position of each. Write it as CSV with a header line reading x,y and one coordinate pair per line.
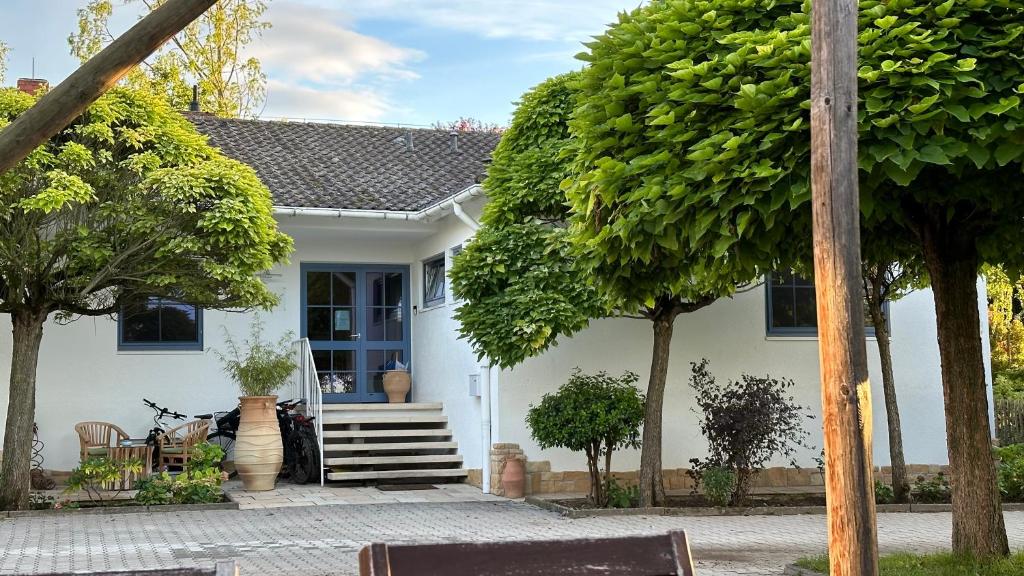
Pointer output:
x,y
127,450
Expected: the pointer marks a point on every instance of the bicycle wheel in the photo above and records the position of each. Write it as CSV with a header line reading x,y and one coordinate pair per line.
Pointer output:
x,y
306,462
227,443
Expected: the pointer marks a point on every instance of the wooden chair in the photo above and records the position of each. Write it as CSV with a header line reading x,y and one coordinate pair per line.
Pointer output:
x,y
660,555
95,439
175,445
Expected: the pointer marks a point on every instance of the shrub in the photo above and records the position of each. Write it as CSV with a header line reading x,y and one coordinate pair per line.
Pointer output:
x,y
884,493
264,366
95,474
620,496
595,414
1011,472
719,484
934,491
746,423
198,484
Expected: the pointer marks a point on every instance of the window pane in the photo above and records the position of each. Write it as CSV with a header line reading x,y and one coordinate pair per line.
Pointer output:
x,y
318,288
344,360
806,310
374,289
344,323
318,323
375,325
322,359
379,361
433,281
178,323
141,322
393,325
337,382
782,307
393,289
344,289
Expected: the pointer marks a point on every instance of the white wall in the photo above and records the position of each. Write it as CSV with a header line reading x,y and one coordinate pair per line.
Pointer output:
x,y
82,376
731,334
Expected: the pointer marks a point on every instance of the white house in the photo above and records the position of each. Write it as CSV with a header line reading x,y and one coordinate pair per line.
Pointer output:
x,y
377,214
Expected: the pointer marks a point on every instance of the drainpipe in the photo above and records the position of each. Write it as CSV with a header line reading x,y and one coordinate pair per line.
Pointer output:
x,y
485,427
466,218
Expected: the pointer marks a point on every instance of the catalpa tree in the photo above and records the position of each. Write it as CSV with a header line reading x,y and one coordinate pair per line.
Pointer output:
x,y
126,203
695,121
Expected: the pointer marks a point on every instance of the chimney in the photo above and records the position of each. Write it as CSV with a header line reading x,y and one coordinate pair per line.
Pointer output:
x,y
408,140
193,106
453,141
32,85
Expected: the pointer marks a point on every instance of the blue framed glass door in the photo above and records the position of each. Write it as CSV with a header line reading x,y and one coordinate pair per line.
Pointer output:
x,y
356,318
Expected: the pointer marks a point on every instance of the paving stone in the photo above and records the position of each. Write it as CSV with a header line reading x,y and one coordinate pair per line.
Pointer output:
x,y
324,539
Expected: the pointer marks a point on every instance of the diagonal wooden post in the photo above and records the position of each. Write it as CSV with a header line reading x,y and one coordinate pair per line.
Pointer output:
x,y
63,104
845,389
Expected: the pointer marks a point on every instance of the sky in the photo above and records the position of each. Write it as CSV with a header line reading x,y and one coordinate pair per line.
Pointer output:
x,y
391,61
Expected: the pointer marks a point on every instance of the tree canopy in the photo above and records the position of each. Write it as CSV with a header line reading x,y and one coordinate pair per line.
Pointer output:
x,y
126,203
208,53
518,277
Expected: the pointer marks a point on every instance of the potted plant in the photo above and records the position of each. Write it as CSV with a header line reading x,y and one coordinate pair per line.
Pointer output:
x,y
259,368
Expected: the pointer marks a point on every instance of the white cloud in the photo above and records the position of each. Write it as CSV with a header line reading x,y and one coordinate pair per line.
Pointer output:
x,y
560,20
297,102
317,45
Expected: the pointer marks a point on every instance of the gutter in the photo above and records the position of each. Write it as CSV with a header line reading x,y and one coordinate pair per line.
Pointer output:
x,y
428,214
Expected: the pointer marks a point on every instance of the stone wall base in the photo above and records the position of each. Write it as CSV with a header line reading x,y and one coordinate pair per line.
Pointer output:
x,y
540,479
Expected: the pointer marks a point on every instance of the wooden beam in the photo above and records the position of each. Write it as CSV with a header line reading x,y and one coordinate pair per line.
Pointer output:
x,y
846,391
59,107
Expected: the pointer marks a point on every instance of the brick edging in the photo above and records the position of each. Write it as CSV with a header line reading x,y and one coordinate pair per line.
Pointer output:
x,y
568,512
113,510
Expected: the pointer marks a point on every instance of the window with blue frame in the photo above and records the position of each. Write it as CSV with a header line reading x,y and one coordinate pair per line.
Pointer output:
x,y
433,281
792,306
160,324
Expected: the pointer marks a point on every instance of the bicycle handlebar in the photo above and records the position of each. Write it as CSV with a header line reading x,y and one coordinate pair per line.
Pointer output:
x,y
161,412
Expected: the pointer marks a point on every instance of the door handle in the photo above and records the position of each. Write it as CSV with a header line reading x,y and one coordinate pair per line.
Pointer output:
x,y
356,336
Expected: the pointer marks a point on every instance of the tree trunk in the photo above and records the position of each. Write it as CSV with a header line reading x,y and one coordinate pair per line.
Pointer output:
x,y
15,477
978,527
900,484
652,486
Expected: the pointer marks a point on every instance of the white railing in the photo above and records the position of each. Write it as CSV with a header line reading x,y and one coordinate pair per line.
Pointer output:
x,y
307,386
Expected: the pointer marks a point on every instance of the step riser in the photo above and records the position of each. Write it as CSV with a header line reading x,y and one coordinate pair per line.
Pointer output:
x,y
332,435
389,446
396,475
339,420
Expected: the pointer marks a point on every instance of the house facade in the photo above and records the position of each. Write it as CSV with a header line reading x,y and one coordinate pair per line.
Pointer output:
x,y
377,215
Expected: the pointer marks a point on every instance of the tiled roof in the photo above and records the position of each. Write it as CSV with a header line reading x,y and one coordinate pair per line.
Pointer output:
x,y
352,167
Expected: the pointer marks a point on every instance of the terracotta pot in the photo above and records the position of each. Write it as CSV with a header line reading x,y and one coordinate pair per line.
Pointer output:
x,y
258,449
513,478
397,384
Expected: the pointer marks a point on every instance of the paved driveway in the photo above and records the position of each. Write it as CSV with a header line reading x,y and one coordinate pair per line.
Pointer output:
x,y
324,540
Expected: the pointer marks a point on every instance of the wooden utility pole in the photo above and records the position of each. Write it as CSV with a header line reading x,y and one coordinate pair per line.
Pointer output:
x,y
845,388
63,104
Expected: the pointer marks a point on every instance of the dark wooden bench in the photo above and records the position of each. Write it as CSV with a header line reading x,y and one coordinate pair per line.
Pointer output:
x,y
223,568
660,555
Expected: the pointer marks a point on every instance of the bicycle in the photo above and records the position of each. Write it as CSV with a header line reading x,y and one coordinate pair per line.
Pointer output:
x,y
298,438
159,427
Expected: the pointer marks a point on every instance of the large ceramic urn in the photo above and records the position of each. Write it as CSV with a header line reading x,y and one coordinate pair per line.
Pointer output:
x,y
258,449
397,384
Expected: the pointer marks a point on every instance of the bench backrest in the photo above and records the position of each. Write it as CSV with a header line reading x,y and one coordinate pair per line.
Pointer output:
x,y
659,555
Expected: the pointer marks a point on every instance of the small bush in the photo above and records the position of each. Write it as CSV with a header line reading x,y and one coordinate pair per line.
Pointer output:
x,y
262,367
1011,472
746,423
94,475
719,484
620,496
934,491
595,414
198,484
884,493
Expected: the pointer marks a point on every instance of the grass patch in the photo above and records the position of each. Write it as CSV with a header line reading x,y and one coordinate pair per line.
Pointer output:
x,y
933,565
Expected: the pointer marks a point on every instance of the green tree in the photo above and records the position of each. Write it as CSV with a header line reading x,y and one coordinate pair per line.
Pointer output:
x,y
1006,332
126,203
594,414
3,60
886,281
700,116
518,279
208,53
